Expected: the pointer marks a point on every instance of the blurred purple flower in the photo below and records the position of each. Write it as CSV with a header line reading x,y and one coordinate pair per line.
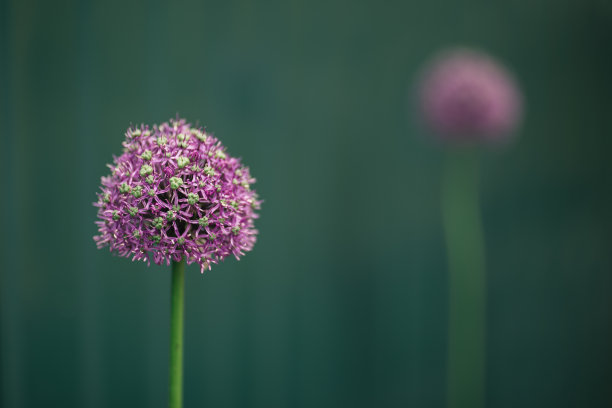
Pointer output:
x,y
175,193
467,96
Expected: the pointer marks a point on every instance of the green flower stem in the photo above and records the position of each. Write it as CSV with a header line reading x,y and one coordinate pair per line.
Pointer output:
x,y
467,281
176,334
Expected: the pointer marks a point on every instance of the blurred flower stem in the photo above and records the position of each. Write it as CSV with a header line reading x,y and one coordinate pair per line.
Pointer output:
x,y
176,333
467,280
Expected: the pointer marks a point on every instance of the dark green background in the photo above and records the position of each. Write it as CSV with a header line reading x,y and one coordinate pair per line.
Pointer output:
x,y
343,302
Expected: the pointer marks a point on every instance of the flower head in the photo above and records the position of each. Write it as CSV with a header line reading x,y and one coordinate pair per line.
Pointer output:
x,y
467,96
174,193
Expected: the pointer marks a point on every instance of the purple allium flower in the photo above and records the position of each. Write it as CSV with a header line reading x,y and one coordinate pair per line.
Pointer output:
x,y
467,96
174,193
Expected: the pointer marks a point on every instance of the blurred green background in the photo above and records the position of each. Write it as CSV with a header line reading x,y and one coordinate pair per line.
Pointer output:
x,y
343,302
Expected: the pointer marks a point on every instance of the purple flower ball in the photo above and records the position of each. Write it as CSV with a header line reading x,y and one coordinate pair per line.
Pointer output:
x,y
466,96
174,193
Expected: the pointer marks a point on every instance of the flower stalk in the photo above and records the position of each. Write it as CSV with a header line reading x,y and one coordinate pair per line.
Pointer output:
x,y
177,301
467,281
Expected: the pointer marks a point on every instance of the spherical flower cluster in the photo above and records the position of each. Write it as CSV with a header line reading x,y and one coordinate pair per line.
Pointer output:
x,y
467,96
174,193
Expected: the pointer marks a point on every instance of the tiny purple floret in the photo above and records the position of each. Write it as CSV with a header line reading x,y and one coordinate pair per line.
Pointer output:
x,y
174,193
465,95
